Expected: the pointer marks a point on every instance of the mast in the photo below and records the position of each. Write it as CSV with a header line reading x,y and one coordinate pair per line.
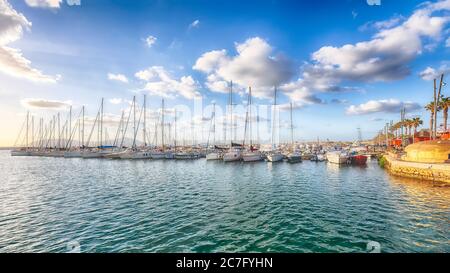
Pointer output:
x,y
59,131
214,124
26,132
175,129
101,124
292,127
231,111
82,130
144,131
162,124
273,116
250,114
32,131
70,122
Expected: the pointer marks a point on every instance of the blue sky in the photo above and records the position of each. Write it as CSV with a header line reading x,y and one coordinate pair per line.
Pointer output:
x,y
74,48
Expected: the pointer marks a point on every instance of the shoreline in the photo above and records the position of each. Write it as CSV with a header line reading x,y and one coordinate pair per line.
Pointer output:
x,y
435,172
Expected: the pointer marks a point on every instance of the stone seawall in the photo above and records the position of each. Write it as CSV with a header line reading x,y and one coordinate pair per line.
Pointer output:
x,y
424,171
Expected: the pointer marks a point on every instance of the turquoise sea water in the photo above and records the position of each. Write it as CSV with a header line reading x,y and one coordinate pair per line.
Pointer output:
x,y
200,206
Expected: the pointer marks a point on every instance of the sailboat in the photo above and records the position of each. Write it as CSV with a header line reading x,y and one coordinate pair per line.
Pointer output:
x,y
294,156
251,154
235,151
100,150
75,152
23,151
214,154
274,155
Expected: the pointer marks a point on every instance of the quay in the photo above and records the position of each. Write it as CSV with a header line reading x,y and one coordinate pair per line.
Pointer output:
x,y
427,160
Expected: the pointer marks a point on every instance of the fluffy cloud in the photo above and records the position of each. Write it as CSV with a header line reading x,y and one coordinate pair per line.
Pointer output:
x,y
150,40
429,73
12,61
194,24
387,106
159,82
54,4
253,65
46,104
117,77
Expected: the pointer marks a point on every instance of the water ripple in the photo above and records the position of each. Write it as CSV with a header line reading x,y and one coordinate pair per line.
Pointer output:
x,y
199,206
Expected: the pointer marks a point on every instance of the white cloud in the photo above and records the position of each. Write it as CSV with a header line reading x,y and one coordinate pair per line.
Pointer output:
x,y
45,104
115,101
390,23
254,65
194,24
160,82
118,77
150,40
386,106
429,73
12,62
54,4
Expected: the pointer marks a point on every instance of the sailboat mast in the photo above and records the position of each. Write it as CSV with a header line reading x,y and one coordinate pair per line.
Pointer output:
x,y
144,131
59,131
214,125
101,124
231,112
292,126
162,124
70,122
32,132
175,130
273,116
26,132
82,130
250,114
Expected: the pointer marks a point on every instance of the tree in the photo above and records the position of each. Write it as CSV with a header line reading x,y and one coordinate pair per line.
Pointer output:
x,y
430,107
416,122
444,105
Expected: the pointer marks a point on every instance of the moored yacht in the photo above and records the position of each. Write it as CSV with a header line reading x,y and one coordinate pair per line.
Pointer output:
x,y
337,157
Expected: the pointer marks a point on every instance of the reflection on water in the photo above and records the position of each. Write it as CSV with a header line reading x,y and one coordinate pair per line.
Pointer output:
x,y
200,206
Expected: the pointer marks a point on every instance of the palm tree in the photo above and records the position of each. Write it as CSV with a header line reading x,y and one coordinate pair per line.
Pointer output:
x,y
409,125
444,105
416,122
430,107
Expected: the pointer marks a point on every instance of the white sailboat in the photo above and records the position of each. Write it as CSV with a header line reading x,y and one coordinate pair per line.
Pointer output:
x,y
99,151
250,155
234,153
294,156
274,155
22,151
214,154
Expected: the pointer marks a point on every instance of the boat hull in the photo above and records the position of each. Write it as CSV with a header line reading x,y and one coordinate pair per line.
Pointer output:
x,y
20,153
294,159
337,158
213,156
251,157
232,156
358,160
73,154
275,157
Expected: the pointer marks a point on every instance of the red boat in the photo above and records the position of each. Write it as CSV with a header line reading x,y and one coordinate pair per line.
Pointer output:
x,y
358,160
